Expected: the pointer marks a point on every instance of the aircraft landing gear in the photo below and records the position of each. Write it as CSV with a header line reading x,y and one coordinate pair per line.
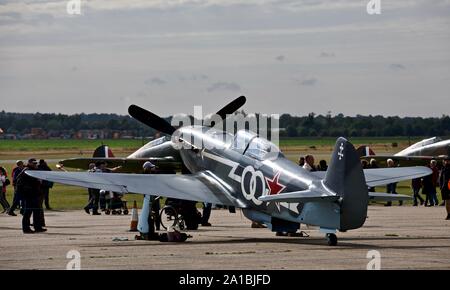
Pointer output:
x,y
331,239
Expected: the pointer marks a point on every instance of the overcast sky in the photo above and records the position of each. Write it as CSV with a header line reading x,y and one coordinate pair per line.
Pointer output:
x,y
287,56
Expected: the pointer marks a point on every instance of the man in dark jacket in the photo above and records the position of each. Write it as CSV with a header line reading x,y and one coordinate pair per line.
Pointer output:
x,y
29,189
45,186
94,195
444,184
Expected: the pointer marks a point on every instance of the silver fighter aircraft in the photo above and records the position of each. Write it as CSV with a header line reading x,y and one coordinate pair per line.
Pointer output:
x,y
419,153
249,172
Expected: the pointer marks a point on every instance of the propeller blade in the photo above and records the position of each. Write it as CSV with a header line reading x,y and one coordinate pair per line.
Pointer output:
x,y
231,107
150,119
158,123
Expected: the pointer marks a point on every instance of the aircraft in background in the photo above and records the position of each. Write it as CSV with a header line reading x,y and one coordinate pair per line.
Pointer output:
x,y
420,153
249,172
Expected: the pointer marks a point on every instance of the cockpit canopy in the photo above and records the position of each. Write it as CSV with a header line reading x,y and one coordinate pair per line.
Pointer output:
x,y
249,144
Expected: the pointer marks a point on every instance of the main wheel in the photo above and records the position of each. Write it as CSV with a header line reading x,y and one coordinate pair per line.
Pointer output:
x,y
331,239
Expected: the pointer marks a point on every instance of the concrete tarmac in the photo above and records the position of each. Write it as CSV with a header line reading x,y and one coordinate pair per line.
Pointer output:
x,y
406,238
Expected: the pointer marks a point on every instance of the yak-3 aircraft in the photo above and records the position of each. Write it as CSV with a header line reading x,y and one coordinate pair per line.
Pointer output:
x,y
419,153
249,172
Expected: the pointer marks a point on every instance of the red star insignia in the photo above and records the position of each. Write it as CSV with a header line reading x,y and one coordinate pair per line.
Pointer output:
x,y
274,186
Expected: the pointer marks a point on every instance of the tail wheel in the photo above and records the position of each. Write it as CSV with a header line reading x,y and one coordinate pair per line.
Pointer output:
x,y
332,240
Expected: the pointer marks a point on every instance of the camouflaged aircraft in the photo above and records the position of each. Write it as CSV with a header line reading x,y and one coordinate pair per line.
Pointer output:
x,y
249,172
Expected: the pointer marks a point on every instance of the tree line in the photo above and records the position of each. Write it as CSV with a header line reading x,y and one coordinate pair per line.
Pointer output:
x,y
311,125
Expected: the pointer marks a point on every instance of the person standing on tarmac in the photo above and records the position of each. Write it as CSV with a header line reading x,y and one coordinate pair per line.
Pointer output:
x,y
16,199
206,214
146,224
46,185
4,181
94,196
444,184
392,187
29,189
150,168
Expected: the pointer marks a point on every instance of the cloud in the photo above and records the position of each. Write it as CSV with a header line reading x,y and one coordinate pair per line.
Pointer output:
x,y
224,86
280,58
309,82
155,81
397,66
327,54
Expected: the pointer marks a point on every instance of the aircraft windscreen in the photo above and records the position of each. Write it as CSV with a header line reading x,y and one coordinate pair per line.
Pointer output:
x,y
242,139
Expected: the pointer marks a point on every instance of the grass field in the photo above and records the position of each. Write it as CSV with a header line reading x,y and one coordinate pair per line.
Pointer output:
x,y
75,144
329,141
66,144
68,197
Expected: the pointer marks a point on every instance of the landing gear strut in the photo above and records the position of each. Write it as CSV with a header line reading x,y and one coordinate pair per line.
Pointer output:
x,y
331,239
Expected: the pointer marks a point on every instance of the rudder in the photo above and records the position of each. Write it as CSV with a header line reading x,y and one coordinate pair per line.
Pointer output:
x,y
345,177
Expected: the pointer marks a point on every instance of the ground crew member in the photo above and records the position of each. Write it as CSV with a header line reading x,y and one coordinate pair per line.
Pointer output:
x,y
146,224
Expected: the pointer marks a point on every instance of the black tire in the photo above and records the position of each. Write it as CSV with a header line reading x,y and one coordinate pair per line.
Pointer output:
x,y
332,240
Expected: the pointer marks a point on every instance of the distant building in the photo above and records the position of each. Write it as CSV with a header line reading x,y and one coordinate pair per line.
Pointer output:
x,y
38,133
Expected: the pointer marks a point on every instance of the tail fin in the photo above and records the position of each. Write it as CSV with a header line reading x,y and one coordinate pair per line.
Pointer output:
x,y
365,150
103,151
345,177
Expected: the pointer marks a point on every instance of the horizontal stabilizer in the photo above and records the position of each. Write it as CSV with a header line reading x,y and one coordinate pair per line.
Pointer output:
x,y
383,176
300,196
381,196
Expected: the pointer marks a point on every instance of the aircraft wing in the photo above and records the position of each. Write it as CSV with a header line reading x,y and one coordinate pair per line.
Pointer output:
x,y
130,165
202,187
300,196
382,176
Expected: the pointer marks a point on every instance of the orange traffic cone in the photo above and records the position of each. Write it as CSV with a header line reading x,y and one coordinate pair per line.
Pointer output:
x,y
134,218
